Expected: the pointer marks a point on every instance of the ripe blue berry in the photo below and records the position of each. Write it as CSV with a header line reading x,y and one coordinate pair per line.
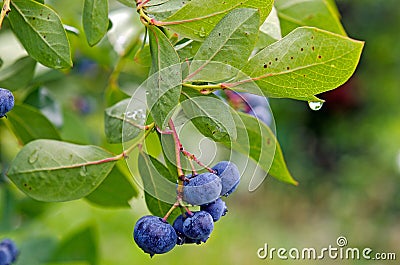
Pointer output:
x,y
154,235
230,176
262,114
10,245
253,100
201,189
5,256
6,101
182,238
198,226
216,209
8,248
257,106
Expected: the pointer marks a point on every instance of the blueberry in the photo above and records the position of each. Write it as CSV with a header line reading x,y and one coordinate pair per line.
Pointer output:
x,y
201,189
6,101
6,257
262,114
154,235
198,226
253,100
182,238
12,248
216,209
230,176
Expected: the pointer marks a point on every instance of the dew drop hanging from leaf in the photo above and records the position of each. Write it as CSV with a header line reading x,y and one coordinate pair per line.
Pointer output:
x,y
315,105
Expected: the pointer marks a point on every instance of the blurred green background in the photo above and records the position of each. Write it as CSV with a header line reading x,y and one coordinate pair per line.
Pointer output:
x,y
346,157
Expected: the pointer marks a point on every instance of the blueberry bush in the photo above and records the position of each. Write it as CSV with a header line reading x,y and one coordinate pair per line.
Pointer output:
x,y
209,66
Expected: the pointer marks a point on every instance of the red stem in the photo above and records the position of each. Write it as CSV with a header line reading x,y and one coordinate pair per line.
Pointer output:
x,y
178,148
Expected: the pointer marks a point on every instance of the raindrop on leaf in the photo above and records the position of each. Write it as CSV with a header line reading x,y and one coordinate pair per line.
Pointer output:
x,y
34,156
83,171
315,105
202,32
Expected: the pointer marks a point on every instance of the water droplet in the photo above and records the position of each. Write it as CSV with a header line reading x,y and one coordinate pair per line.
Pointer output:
x,y
202,32
34,156
315,105
83,171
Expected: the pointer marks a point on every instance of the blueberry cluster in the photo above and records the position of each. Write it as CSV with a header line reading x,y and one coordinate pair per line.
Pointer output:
x,y
154,235
8,252
6,102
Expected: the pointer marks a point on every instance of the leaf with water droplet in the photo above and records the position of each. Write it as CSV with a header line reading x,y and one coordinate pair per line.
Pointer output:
x,y
61,171
299,65
123,122
202,32
230,43
83,171
202,16
34,156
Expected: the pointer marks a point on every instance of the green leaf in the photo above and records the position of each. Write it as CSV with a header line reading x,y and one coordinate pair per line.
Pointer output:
x,y
164,8
36,250
210,115
122,123
18,75
158,183
270,30
42,99
95,20
41,32
29,124
49,170
197,18
321,14
188,49
143,56
256,140
164,84
130,3
306,62
230,42
69,263
115,191
80,246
